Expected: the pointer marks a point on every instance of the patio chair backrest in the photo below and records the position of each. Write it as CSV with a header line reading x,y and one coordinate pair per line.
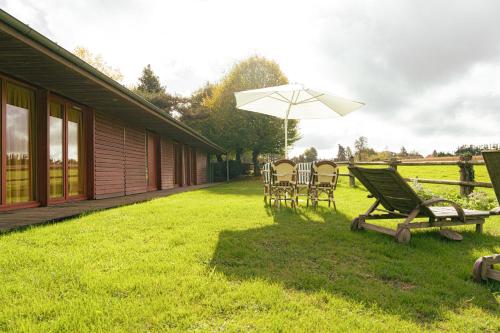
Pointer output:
x,y
391,189
283,171
492,160
303,171
266,173
326,173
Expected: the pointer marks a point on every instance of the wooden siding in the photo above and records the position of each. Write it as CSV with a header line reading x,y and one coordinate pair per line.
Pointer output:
x,y
120,160
201,167
166,164
135,161
109,158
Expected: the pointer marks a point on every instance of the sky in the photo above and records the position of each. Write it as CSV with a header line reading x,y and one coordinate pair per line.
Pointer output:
x,y
428,71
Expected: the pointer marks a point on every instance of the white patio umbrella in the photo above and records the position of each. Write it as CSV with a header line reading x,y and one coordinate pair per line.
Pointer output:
x,y
294,101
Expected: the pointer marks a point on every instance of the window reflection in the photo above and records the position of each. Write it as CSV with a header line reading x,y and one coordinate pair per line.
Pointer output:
x,y
75,153
56,165
20,103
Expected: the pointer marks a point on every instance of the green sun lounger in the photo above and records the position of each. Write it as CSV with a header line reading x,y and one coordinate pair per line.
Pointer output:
x,y
400,201
492,160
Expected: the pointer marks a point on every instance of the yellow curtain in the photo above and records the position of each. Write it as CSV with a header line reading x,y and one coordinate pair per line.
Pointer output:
x,y
18,136
20,96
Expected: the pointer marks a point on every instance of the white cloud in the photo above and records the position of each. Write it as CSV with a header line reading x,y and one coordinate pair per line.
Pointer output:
x,y
429,73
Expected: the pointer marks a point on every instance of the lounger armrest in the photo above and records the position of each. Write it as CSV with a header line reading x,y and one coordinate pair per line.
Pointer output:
x,y
495,211
432,202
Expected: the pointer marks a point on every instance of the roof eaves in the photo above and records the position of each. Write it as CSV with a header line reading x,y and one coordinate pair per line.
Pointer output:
x,y
54,47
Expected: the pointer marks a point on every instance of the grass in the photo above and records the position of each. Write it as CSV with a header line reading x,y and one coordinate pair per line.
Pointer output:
x,y
219,260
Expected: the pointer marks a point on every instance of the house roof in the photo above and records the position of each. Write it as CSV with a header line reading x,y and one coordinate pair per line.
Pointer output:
x,y
28,55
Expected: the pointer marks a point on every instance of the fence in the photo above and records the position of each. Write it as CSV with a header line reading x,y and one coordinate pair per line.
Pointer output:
x,y
465,169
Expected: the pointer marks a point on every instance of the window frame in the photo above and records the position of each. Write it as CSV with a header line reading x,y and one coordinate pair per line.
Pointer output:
x,y
68,104
4,80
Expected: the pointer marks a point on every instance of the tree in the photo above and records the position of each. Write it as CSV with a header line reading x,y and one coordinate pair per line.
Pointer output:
x,y
97,62
239,130
360,148
310,155
348,152
434,153
341,154
149,82
403,153
151,90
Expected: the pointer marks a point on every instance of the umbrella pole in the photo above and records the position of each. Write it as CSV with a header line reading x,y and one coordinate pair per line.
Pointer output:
x,y
286,137
286,127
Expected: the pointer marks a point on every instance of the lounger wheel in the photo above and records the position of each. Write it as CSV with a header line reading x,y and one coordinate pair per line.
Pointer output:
x,y
477,269
355,224
403,235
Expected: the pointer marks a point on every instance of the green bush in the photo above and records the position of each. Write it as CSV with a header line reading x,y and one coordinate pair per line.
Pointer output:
x,y
220,169
476,200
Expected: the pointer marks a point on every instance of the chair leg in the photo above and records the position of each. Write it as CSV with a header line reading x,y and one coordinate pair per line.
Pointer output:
x,y
479,228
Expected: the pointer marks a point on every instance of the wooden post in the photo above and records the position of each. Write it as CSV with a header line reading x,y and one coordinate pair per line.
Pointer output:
x,y
393,163
466,169
43,147
352,179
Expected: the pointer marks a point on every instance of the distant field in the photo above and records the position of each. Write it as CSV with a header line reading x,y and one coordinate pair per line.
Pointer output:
x,y
446,172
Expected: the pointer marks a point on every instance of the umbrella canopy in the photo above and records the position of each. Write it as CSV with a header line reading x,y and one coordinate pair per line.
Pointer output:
x,y
294,101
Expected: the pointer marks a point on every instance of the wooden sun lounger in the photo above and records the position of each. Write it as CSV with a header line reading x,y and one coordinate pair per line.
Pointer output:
x,y
483,267
400,201
492,160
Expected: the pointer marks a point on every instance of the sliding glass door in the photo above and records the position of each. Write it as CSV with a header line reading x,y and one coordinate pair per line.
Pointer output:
x,y
18,144
56,151
66,151
22,167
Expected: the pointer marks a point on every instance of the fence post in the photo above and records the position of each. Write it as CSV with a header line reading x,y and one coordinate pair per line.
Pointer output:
x,y
393,163
352,180
466,169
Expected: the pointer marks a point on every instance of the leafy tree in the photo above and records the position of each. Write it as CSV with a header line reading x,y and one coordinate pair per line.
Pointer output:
x,y
468,149
310,154
362,151
341,154
151,90
403,153
348,152
239,130
199,116
434,153
96,61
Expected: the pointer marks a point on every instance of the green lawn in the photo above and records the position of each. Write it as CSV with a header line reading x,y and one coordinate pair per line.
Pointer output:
x,y
219,260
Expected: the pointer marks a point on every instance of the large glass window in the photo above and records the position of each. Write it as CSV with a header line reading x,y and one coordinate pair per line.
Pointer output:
x,y
56,139
19,109
75,152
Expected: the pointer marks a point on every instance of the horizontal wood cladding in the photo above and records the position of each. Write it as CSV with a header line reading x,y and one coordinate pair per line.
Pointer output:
x,y
120,158
201,167
167,163
135,161
109,158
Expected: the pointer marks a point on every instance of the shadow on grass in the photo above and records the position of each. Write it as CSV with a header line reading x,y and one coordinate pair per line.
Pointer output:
x,y
312,251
